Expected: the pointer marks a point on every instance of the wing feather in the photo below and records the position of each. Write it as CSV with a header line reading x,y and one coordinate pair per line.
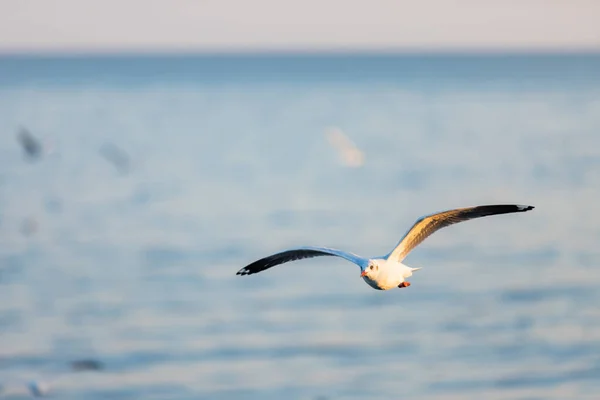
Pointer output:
x,y
297,254
427,225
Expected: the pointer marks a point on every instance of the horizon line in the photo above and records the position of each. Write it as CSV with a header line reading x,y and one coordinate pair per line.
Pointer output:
x,y
233,52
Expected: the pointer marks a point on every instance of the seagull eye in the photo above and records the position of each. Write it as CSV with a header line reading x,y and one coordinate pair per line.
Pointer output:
x,y
371,267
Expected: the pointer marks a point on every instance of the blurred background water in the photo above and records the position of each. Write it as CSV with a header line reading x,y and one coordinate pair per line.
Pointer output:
x,y
159,177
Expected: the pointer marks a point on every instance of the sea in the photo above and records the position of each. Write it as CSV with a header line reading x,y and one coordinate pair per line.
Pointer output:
x,y
152,179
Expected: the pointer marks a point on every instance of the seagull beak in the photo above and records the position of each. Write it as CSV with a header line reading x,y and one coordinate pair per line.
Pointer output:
x,y
363,274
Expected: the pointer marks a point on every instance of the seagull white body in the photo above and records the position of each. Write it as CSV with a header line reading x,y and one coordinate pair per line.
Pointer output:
x,y
388,272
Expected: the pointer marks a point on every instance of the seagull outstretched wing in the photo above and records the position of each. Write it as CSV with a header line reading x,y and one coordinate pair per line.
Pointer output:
x,y
427,225
298,254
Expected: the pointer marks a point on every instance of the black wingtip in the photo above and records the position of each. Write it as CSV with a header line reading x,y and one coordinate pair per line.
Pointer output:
x,y
525,208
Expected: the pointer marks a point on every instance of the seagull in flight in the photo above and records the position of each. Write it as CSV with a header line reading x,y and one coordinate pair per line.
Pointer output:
x,y
388,272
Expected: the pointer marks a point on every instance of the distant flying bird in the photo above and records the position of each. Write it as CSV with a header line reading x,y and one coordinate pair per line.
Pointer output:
x,y
31,146
387,272
349,154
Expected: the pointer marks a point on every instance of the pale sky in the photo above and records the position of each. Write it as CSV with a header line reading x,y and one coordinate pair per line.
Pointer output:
x,y
233,25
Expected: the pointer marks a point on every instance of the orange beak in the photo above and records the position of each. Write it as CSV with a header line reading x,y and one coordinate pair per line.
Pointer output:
x,y
363,274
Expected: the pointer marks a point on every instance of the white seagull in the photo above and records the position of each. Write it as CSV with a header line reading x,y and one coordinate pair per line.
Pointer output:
x,y
387,272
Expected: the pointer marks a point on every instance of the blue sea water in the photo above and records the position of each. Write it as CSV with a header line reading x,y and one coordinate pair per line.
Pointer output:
x,y
224,159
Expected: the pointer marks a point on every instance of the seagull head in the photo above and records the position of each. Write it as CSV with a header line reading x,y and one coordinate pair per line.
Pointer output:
x,y
371,270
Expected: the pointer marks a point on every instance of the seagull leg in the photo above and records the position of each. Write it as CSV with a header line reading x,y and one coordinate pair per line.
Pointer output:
x,y
404,284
